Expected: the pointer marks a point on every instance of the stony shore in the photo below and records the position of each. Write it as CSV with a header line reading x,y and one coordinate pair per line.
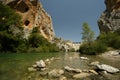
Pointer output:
x,y
97,69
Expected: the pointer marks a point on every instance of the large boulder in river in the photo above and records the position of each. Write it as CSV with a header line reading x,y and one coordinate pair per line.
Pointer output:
x,y
62,78
55,73
94,63
107,68
40,64
81,75
31,69
84,58
67,68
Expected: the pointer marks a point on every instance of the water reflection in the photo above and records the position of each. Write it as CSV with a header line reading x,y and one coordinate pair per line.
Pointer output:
x,y
71,60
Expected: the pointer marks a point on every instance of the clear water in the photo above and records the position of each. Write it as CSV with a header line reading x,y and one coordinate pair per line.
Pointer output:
x,y
14,66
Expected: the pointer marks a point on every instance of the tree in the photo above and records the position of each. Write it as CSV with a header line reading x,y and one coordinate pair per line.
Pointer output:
x,y
8,17
10,29
87,33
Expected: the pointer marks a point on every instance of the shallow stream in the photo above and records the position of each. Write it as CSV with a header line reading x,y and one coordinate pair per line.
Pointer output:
x,y
14,66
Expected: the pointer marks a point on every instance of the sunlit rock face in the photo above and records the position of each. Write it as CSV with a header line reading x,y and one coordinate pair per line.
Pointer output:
x,y
33,15
110,18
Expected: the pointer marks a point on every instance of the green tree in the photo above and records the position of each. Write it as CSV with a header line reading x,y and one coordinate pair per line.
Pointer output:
x,y
8,17
10,29
87,33
36,40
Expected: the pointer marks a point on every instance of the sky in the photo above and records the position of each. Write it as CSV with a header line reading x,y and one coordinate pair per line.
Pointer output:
x,y
69,15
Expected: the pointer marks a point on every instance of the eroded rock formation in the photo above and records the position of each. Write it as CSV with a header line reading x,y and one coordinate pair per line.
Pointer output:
x,y
110,18
33,15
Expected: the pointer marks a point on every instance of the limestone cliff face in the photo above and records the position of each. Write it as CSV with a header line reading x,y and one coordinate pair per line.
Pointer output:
x,y
110,18
33,15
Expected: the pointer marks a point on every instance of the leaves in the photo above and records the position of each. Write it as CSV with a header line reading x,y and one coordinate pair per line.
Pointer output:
x,y
8,17
87,34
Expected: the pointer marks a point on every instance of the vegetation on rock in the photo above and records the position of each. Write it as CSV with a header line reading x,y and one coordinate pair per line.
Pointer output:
x,y
102,43
10,29
11,35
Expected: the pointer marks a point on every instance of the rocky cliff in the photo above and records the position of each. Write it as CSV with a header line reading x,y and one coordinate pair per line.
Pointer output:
x,y
110,18
33,15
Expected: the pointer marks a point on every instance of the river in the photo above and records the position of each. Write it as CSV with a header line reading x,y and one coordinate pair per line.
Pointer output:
x,y
15,66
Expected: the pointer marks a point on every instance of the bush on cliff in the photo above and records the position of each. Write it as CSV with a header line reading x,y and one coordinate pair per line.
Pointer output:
x,y
111,39
8,17
10,29
38,43
11,34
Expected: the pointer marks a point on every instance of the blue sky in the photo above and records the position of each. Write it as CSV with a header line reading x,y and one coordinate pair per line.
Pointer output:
x,y
69,15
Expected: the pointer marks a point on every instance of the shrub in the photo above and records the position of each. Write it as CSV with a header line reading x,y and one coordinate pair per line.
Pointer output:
x,y
10,29
11,35
116,43
35,40
8,17
103,42
93,49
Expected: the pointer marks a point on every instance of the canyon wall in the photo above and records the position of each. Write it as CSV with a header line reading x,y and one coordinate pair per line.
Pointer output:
x,y
110,18
33,15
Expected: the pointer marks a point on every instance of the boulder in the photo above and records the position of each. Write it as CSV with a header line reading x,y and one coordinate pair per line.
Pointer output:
x,y
31,69
62,78
47,61
43,69
77,70
103,72
55,73
107,68
34,65
81,75
72,69
84,58
93,71
52,58
67,68
85,70
40,64
114,53
94,63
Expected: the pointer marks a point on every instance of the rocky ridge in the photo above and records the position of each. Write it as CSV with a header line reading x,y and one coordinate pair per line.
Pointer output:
x,y
33,15
110,18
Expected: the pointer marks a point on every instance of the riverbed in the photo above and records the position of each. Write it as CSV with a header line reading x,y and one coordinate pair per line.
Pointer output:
x,y
15,66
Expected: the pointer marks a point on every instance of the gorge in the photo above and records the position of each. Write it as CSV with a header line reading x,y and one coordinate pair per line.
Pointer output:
x,y
58,65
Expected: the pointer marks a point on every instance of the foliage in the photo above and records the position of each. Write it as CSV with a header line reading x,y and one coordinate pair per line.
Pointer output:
x,y
10,29
8,17
87,34
111,39
100,45
35,40
11,35
35,30
93,49
38,43
104,41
